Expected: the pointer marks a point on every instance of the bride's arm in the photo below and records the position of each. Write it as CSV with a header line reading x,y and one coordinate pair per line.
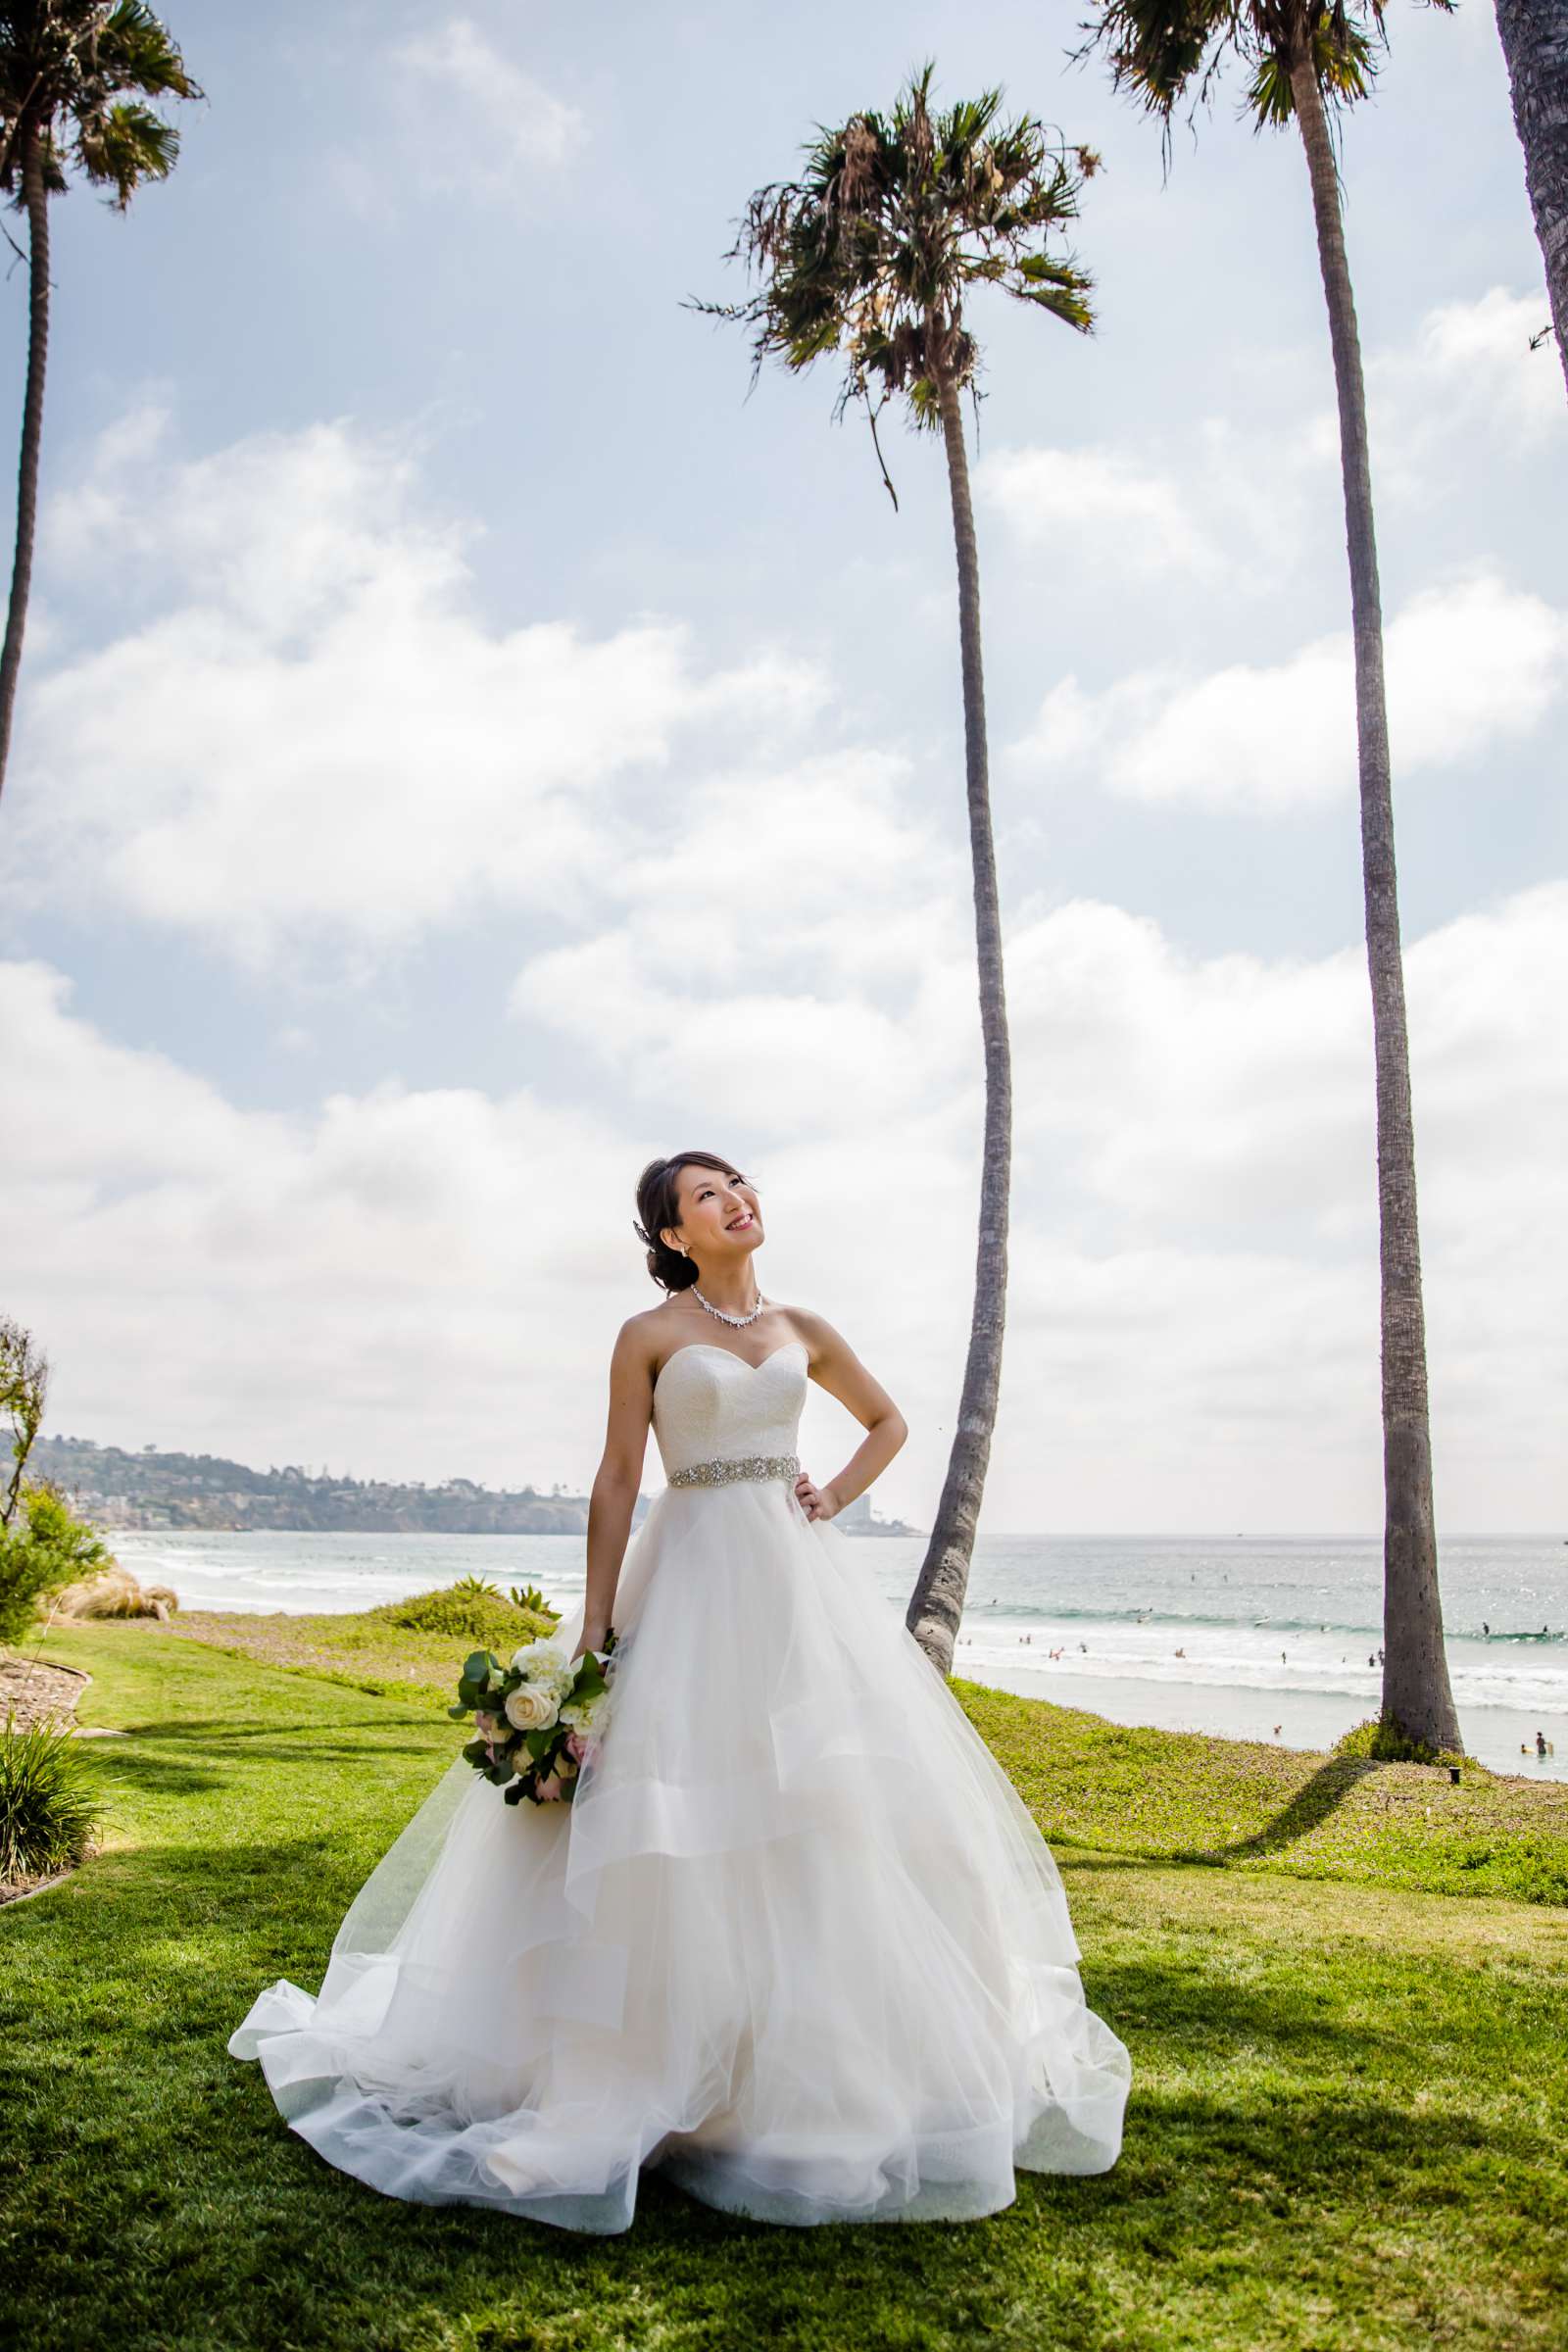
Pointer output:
x,y
836,1367
614,1497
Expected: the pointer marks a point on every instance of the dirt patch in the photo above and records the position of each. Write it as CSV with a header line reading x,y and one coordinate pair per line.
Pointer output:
x,y
32,1693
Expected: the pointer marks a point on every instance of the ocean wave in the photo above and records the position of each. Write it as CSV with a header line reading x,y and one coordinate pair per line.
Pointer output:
x,y
1219,1669
977,1614
1004,1612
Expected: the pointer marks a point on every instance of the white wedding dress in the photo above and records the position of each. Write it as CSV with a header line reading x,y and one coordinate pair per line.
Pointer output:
x,y
798,1941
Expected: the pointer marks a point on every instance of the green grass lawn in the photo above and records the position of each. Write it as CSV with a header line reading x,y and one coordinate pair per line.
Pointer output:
x,y
1347,2127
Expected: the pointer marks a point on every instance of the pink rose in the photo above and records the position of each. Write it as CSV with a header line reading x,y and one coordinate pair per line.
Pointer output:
x,y
578,1745
487,1726
548,1792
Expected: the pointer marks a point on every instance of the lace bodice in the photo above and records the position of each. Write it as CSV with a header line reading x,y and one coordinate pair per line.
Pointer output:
x,y
710,1404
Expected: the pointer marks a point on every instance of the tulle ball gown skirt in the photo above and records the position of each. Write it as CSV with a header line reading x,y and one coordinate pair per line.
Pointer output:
x,y
798,1942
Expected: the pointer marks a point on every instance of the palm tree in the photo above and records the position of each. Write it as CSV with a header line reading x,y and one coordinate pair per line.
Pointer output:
x,y
1535,42
871,254
72,80
1303,57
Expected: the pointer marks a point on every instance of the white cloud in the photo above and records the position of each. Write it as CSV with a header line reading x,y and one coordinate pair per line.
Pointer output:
x,y
1468,371
313,735
428,1282
1199,1315
1099,500
1468,665
1253,492
776,963
475,119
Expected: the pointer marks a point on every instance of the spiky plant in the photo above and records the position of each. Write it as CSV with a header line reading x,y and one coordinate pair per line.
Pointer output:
x,y
74,81
48,1801
872,256
1304,62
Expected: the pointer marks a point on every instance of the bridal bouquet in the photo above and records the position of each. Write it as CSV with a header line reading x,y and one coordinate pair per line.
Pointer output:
x,y
536,1722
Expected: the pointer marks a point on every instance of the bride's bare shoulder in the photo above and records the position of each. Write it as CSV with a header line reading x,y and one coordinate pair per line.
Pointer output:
x,y
644,1336
814,1329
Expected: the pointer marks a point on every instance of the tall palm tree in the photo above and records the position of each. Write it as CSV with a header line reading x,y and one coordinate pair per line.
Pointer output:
x,y
1303,58
74,79
1535,42
871,254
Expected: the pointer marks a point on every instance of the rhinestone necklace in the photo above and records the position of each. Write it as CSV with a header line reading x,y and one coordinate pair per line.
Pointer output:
x,y
736,1320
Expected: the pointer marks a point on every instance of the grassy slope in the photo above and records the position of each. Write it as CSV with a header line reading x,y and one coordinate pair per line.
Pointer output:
x,y
1346,2128
1184,1796
1171,1795
367,1650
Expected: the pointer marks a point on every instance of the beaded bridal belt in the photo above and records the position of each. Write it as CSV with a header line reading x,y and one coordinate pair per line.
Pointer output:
x,y
741,1465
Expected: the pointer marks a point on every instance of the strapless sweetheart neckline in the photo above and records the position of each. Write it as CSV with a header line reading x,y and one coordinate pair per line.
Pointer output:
x,y
711,1347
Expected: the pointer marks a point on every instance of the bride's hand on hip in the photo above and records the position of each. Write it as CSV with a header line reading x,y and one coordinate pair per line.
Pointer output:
x,y
817,1502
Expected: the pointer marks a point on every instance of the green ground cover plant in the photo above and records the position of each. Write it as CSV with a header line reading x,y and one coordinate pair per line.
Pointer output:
x,y
1245,1805
1349,2105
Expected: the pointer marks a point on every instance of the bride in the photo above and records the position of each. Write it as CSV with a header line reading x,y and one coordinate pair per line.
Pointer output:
x,y
796,1941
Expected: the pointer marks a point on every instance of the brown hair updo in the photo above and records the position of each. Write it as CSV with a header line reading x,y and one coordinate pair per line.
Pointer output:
x,y
655,1208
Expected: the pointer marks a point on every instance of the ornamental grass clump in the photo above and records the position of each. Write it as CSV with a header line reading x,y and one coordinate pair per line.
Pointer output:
x,y
48,1802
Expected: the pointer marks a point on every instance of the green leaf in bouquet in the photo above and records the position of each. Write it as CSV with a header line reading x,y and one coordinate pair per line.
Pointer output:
x,y
477,1751
476,1667
458,1712
515,1795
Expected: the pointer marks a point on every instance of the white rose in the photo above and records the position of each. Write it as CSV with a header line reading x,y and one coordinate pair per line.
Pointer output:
x,y
544,1662
531,1709
583,1714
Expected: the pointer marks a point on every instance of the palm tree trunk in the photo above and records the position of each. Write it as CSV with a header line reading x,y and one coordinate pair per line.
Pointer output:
x,y
1415,1672
937,1601
1534,43
37,198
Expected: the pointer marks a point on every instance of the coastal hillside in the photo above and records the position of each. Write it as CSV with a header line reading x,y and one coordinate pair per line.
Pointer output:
x,y
115,1489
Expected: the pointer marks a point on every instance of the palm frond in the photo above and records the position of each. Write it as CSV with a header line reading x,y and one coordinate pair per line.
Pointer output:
x,y
78,76
1163,52
894,220
123,146
136,51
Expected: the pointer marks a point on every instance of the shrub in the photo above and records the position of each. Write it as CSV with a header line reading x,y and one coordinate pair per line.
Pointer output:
x,y
469,1611
48,1802
1380,1737
44,1548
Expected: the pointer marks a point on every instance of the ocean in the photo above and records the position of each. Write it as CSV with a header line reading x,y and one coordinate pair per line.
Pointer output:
x,y
1268,1638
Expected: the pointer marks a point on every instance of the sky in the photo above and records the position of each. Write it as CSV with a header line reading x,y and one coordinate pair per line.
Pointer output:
x,y
471,742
